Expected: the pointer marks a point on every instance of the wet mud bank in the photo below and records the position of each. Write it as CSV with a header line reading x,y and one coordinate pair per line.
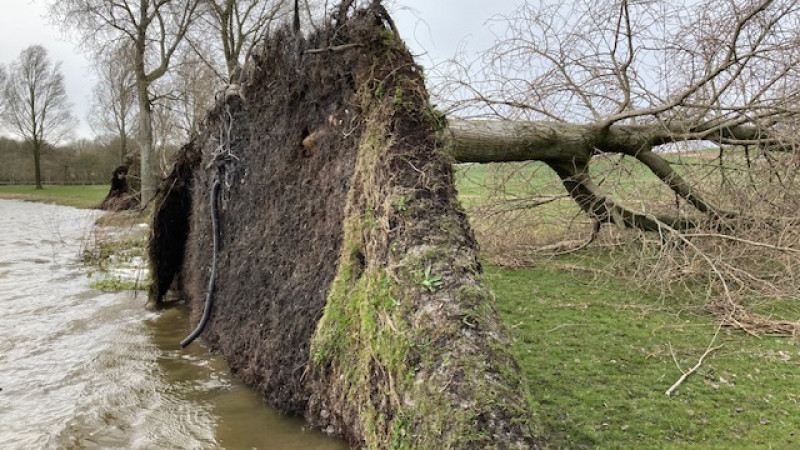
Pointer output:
x,y
348,289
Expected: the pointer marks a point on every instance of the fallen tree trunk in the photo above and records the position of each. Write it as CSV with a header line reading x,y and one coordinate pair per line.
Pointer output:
x,y
567,148
507,141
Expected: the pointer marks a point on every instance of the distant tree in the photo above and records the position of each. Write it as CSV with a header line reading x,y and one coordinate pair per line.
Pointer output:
x,y
155,29
237,26
114,104
3,79
192,86
168,131
35,103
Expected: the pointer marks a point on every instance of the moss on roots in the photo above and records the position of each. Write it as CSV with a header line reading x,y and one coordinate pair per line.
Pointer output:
x,y
409,352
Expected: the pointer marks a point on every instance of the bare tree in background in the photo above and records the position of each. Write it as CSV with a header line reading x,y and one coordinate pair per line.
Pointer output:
x,y
3,79
180,102
191,88
238,25
155,29
114,105
35,104
167,133
570,84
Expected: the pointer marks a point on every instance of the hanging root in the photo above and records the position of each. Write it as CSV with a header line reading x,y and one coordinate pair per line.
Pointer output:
x,y
213,275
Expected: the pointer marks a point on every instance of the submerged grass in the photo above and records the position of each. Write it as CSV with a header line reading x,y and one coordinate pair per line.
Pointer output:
x,y
81,196
115,252
113,285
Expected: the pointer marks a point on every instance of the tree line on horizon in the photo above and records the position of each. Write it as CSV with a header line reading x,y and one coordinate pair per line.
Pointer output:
x,y
144,99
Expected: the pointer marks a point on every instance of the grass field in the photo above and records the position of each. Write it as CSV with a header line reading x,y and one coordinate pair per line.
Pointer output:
x,y
599,353
76,196
599,357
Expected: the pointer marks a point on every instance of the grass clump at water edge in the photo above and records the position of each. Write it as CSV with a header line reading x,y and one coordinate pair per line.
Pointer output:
x,y
115,252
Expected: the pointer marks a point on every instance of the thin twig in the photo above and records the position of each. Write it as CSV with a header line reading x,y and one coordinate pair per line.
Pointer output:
x,y
563,325
335,48
696,366
742,240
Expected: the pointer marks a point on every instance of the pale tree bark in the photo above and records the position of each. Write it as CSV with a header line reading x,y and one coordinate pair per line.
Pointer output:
x,y
155,29
3,81
36,106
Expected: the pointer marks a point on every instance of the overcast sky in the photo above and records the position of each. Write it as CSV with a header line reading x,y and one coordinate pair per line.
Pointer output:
x,y
433,29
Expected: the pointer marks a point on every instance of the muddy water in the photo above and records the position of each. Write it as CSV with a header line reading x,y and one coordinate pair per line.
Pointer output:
x,y
85,369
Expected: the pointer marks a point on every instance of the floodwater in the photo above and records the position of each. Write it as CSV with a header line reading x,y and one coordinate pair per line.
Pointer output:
x,y
84,369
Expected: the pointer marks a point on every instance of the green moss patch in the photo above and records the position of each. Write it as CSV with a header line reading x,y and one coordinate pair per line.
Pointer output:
x,y
409,352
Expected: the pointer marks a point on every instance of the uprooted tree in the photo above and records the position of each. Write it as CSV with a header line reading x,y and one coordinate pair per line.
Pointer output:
x,y
573,83
315,214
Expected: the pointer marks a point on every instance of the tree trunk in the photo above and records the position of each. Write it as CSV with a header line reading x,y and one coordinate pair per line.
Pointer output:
x,y
149,174
37,163
567,149
123,144
507,141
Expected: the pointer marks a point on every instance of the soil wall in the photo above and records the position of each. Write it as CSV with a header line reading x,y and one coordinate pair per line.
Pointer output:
x,y
348,288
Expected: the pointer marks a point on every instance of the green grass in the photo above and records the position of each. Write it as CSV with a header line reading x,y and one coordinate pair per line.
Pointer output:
x,y
597,352
625,178
81,196
598,358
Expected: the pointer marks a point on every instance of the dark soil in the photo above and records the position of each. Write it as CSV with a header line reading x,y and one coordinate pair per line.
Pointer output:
x,y
171,222
281,215
335,200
